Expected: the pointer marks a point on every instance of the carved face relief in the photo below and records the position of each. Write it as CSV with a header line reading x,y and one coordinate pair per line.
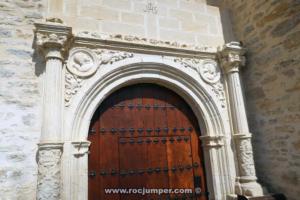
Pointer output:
x,y
82,62
210,71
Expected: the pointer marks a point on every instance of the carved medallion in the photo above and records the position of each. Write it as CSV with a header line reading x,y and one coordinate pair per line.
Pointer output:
x,y
210,71
82,62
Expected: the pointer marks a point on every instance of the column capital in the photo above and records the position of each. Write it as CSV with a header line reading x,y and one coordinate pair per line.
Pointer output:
x,y
231,56
51,37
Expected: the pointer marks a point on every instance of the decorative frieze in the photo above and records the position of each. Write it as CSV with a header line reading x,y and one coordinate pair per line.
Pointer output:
x,y
109,57
144,41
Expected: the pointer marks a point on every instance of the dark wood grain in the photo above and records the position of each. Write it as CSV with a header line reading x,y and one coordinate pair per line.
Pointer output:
x,y
144,136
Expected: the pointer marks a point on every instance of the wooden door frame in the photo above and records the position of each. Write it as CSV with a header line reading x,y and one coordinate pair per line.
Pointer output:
x,y
111,62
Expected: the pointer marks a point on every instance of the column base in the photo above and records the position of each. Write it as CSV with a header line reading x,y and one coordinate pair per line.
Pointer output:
x,y
248,186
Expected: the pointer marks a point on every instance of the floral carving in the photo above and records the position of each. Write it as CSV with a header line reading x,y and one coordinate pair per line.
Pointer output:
x,y
218,89
49,172
209,72
109,56
44,38
72,85
145,41
82,62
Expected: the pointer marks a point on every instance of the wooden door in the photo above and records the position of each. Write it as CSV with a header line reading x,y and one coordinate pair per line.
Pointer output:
x,y
145,136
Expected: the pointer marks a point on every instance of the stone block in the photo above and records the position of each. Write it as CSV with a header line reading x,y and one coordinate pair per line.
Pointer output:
x,y
192,26
151,26
177,36
286,26
55,6
168,23
210,40
132,18
118,4
100,13
181,14
121,28
192,6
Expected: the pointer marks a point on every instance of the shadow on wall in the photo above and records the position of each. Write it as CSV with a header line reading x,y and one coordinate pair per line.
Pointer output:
x,y
38,59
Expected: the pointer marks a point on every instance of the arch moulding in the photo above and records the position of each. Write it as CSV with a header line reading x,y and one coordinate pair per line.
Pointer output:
x,y
83,69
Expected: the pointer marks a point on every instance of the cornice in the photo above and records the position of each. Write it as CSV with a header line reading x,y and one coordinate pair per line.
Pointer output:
x,y
54,34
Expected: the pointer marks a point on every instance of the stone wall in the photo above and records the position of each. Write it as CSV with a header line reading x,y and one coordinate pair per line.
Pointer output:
x,y
271,32
20,101
185,21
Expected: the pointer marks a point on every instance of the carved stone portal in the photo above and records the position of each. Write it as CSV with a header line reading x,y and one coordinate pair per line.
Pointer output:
x,y
97,64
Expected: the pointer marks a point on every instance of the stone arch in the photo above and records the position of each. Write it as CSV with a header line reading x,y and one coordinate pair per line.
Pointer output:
x,y
165,73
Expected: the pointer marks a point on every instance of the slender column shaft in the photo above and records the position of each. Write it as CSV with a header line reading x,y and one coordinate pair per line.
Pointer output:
x,y
51,39
232,59
53,96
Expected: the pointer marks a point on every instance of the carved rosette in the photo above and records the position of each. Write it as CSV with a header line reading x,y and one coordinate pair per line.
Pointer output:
x,y
49,156
210,73
82,62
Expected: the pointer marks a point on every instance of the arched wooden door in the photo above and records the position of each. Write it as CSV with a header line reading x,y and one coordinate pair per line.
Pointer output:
x,y
145,136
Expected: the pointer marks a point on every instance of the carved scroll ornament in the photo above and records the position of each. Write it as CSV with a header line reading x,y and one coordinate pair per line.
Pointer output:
x,y
209,71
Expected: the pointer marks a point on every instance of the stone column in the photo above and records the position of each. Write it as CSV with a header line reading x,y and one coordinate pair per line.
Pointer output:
x,y
51,40
232,58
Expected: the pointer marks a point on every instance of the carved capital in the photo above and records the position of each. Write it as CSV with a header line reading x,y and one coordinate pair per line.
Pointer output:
x,y
51,38
232,57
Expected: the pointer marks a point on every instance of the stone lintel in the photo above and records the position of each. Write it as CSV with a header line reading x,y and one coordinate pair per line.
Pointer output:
x,y
143,45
